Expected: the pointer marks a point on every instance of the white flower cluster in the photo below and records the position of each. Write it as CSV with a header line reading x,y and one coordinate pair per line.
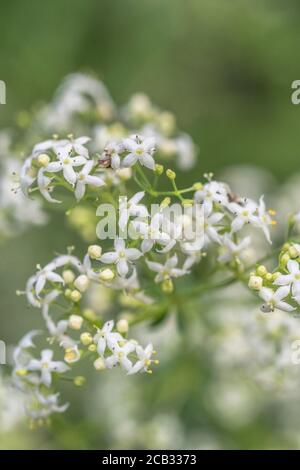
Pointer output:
x,y
279,289
107,346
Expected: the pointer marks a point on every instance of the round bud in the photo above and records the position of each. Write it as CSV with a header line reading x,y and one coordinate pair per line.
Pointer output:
x,y
122,326
79,380
81,283
171,174
86,338
124,173
68,276
255,282
261,270
198,186
159,169
99,364
106,275
75,296
293,252
94,251
269,277
43,160
92,348
89,314
68,293
75,322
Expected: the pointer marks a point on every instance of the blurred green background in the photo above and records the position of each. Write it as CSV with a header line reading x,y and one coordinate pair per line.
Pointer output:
x,y
224,67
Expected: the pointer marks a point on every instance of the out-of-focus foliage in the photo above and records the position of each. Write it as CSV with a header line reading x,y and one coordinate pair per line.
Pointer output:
x,y
225,69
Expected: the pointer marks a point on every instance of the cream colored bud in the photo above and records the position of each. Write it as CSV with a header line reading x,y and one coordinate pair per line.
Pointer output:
x,y
68,293
75,296
107,275
284,259
94,251
79,380
92,348
159,169
261,270
99,364
198,186
43,160
89,314
275,275
86,338
269,277
68,276
124,173
165,203
75,322
122,325
82,283
293,252
255,282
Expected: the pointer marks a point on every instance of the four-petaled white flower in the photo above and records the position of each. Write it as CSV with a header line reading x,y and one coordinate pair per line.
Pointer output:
x,y
244,214
231,250
212,192
66,163
274,299
131,208
121,256
140,150
167,270
144,359
105,337
46,366
46,274
292,279
84,178
120,356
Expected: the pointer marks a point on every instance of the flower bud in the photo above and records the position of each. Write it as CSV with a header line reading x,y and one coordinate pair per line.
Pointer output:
x,y
68,276
75,296
89,314
86,338
255,282
167,286
122,325
79,380
68,293
92,348
94,251
198,186
293,252
269,277
107,275
171,174
165,203
284,259
75,322
43,160
81,283
159,169
261,270
275,275
188,202
99,364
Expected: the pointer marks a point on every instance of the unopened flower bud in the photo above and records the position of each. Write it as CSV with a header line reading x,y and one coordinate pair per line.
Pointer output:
x,y
171,174
165,203
275,275
72,355
86,338
107,275
124,173
122,325
43,160
198,186
81,283
159,169
68,276
79,380
92,348
167,286
261,270
269,277
99,364
94,251
284,259
75,322
68,293
75,296
293,252
188,202
255,282
89,314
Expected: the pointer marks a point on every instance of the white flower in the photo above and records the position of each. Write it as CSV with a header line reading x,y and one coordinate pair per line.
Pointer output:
x,y
44,275
46,366
264,218
84,178
231,250
292,279
140,150
274,299
120,356
66,163
44,185
121,256
167,270
105,337
111,155
144,359
212,192
244,214
152,232
131,208
48,404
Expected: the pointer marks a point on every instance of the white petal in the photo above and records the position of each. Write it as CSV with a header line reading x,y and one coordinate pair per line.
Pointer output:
x,y
69,174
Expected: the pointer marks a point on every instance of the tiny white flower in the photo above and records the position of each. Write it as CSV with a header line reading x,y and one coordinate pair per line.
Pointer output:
x,y
167,270
292,279
120,356
140,150
144,359
66,164
106,338
84,178
274,299
244,214
212,192
46,274
121,256
131,208
231,250
46,366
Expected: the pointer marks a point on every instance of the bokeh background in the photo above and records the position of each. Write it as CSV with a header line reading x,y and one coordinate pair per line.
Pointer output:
x,y
225,68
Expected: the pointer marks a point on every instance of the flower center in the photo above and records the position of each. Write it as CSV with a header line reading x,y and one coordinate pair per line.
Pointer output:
x,y
139,151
